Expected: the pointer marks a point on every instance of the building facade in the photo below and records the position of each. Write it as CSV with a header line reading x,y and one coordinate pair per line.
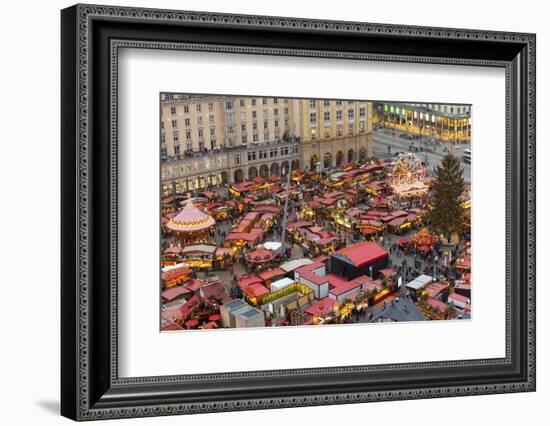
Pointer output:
x,y
448,123
210,140
333,132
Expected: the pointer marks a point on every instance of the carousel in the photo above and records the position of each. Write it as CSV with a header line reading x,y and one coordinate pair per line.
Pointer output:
x,y
407,177
260,257
423,240
191,226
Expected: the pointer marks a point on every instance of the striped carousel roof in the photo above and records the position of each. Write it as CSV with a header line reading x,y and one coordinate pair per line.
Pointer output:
x,y
190,219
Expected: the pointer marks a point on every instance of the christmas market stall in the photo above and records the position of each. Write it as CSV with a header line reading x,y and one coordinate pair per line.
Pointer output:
x,y
199,256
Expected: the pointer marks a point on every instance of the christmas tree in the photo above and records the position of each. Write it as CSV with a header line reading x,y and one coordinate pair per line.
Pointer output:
x,y
446,215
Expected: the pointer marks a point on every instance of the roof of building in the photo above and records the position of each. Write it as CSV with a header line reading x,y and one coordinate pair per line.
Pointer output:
x,y
234,304
361,253
344,287
251,313
362,279
400,310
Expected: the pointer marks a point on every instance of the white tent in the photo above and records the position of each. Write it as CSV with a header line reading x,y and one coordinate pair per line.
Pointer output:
x,y
282,283
295,264
272,245
419,282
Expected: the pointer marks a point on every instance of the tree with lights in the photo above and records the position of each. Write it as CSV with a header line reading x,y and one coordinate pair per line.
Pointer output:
x,y
446,214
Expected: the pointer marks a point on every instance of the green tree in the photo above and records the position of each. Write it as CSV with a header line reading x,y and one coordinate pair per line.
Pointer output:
x,y
447,187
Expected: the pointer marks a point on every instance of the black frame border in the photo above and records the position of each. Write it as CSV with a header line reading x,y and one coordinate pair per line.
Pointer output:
x,y
91,388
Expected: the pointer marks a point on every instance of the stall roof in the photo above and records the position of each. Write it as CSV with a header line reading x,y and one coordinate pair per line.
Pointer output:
x,y
246,281
375,285
251,216
361,253
199,248
437,305
266,208
174,292
342,286
272,245
322,307
459,298
214,293
299,224
280,284
256,290
174,273
295,264
190,306
244,236
463,286
397,221
271,273
419,282
434,289
222,251
387,272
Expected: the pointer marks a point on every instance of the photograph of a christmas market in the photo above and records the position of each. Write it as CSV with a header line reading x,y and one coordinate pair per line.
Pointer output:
x,y
280,212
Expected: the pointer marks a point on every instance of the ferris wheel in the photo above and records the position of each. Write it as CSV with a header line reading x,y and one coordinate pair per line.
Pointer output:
x,y
406,170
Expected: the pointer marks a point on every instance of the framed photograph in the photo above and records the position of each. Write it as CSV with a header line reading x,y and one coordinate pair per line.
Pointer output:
x,y
265,212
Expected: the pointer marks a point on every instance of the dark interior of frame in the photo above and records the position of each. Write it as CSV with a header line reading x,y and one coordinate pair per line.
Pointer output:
x,y
103,393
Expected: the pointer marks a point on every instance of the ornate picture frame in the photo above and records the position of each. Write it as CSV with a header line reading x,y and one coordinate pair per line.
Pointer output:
x,y
91,38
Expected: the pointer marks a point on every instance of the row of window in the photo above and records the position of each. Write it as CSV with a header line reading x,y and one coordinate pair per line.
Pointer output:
x,y
228,105
228,119
326,103
441,108
267,153
339,115
198,108
327,134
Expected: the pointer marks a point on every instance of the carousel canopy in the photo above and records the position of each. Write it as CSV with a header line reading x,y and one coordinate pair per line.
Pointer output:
x,y
424,238
260,255
190,219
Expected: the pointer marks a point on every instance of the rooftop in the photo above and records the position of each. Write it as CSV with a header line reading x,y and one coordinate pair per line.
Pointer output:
x,y
400,310
361,253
